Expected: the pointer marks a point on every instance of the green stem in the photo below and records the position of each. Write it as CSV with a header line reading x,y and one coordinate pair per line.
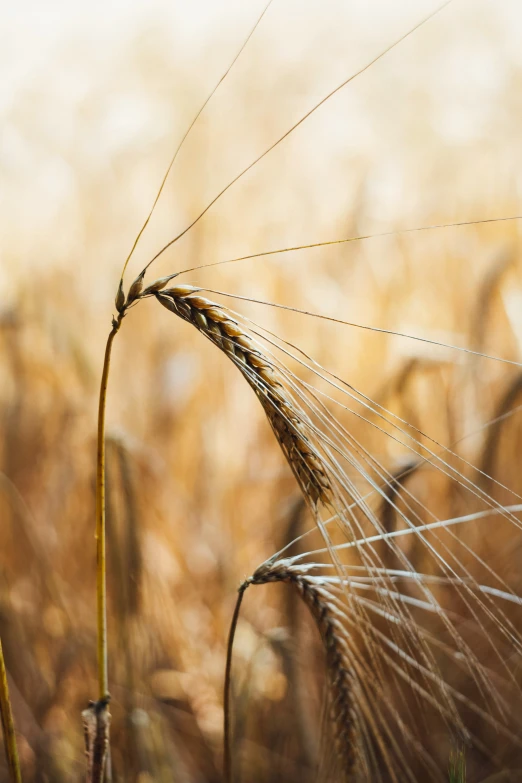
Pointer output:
x,y
11,750
101,566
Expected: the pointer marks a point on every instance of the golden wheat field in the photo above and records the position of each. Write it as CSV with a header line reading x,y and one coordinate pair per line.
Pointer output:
x,y
342,222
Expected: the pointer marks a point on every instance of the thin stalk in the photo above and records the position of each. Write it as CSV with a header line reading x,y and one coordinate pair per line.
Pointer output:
x,y
227,755
101,566
11,751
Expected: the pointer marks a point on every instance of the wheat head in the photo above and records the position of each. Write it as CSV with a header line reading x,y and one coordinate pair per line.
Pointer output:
x,y
340,673
215,322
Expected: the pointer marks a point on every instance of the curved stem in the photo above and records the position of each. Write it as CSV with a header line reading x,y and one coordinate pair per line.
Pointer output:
x,y
227,764
101,587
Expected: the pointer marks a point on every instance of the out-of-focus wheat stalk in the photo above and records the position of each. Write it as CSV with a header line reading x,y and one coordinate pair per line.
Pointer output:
x,y
457,767
11,749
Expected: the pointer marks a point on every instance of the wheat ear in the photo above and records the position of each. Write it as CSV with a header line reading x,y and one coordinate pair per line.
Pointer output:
x,y
340,673
287,422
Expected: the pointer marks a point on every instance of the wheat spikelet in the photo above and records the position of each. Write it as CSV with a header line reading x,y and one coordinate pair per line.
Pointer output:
x,y
287,422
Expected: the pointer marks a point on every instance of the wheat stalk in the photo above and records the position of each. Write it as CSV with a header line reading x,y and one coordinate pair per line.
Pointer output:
x,y
96,717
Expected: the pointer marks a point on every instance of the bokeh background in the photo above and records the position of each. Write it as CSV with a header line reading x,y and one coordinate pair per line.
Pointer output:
x,y
94,98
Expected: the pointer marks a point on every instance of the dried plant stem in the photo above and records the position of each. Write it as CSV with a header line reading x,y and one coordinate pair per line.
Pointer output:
x,y
11,749
101,581
97,724
227,753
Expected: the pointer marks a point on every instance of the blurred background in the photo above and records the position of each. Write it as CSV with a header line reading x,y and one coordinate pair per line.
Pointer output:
x,y
94,98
